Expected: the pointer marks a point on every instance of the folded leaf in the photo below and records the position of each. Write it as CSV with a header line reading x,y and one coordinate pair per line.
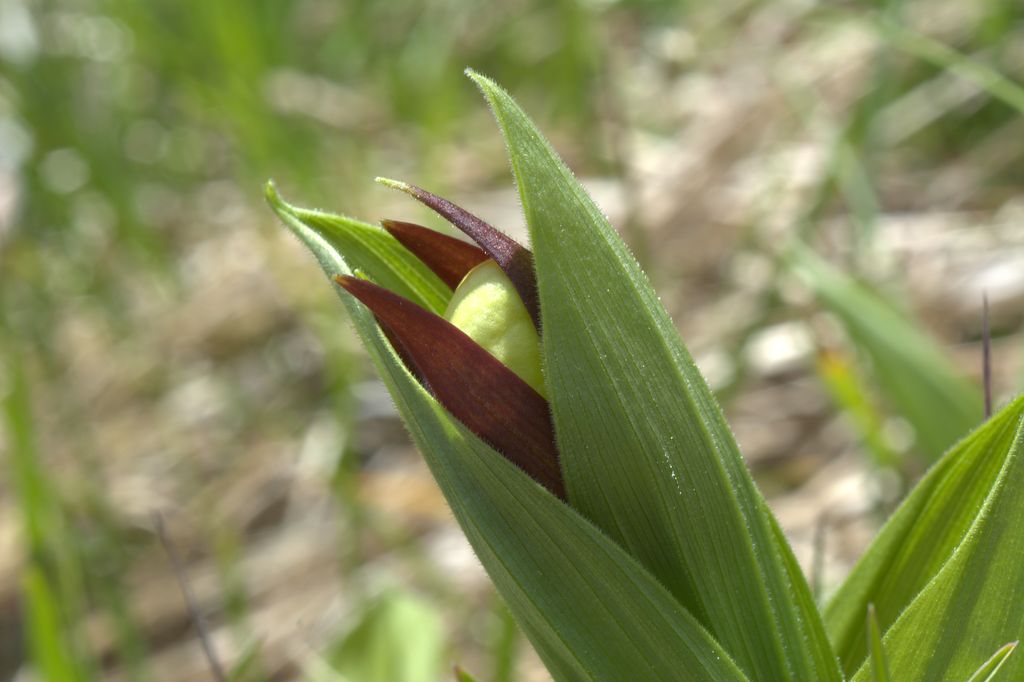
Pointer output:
x,y
591,611
645,450
370,249
921,535
918,380
976,601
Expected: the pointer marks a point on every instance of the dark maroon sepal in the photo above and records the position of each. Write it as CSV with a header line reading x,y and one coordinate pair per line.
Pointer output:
x,y
448,257
511,256
487,397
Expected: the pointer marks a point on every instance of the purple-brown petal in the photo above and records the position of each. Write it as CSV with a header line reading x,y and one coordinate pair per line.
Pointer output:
x,y
448,257
511,256
487,397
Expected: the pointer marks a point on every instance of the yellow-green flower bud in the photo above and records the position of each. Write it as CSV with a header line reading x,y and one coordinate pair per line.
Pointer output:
x,y
487,308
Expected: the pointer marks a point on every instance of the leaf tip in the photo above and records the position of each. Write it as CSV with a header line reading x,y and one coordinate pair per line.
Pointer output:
x,y
270,192
281,207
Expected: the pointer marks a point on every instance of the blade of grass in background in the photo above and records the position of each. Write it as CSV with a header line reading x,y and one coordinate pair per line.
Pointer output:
x,y
991,81
644,447
920,536
976,602
400,638
506,646
590,610
850,395
911,371
49,650
54,589
462,676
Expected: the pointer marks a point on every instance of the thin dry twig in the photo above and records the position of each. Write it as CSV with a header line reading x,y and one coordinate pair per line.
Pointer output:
x,y
190,600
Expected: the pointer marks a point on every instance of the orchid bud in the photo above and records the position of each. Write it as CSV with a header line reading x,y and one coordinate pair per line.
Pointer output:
x,y
486,306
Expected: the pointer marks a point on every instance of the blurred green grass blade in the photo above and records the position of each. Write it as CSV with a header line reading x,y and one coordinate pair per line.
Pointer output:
x,y
989,669
246,665
919,381
879,666
920,536
589,609
988,79
462,676
976,601
645,450
506,647
50,653
850,395
400,638
52,581
371,249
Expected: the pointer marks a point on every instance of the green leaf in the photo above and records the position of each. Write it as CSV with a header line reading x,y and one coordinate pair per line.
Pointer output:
x,y
920,383
991,667
398,639
976,601
370,249
645,450
920,536
879,666
590,610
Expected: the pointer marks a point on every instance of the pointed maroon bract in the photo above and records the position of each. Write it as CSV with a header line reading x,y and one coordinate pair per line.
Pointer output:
x,y
511,256
448,257
487,397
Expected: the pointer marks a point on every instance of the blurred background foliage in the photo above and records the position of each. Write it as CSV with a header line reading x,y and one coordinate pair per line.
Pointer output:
x,y
166,349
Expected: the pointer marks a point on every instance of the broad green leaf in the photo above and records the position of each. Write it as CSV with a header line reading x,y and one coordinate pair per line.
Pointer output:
x,y
976,601
400,638
371,249
591,611
920,536
878,665
920,383
990,668
645,450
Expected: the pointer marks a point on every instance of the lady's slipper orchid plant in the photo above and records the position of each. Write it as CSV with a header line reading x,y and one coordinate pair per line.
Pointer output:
x,y
593,472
